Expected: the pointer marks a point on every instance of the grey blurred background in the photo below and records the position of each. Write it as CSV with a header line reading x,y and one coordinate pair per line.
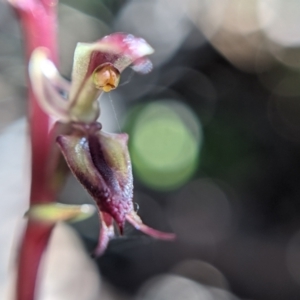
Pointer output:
x,y
214,139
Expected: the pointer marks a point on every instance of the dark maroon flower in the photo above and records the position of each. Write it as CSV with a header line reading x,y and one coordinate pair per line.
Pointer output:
x,y
101,162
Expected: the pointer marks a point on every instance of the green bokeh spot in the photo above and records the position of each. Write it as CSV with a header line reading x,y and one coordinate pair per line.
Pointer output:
x,y
164,147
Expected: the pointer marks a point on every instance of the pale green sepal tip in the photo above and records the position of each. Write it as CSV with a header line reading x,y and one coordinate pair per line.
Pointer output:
x,y
56,212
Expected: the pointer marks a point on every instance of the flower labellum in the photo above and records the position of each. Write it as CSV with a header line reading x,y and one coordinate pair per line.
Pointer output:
x,y
101,162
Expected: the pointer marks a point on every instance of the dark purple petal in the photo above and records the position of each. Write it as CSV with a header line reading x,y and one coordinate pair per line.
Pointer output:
x,y
75,149
101,163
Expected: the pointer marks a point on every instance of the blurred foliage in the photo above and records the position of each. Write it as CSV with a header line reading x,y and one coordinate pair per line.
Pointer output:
x,y
165,151
101,9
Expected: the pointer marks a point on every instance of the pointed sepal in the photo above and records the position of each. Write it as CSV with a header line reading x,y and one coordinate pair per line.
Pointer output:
x,y
56,212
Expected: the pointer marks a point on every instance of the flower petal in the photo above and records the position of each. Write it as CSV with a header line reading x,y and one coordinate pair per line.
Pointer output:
x,y
110,156
101,163
75,149
136,221
142,65
48,86
116,155
106,233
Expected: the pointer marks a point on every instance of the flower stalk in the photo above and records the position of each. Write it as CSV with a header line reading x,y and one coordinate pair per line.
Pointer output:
x,y
38,21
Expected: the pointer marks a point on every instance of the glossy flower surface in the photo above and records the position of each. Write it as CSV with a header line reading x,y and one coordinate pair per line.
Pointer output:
x,y
101,162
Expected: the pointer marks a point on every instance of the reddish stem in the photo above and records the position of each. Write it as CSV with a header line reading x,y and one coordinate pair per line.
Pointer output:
x,y
38,21
39,26
34,242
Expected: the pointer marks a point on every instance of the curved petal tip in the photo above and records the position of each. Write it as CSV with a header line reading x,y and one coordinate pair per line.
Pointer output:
x,y
135,220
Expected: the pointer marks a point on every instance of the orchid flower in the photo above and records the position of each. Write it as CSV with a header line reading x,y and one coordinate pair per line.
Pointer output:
x,y
100,161
96,68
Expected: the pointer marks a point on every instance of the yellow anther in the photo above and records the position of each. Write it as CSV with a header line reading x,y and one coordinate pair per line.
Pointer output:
x,y
106,77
